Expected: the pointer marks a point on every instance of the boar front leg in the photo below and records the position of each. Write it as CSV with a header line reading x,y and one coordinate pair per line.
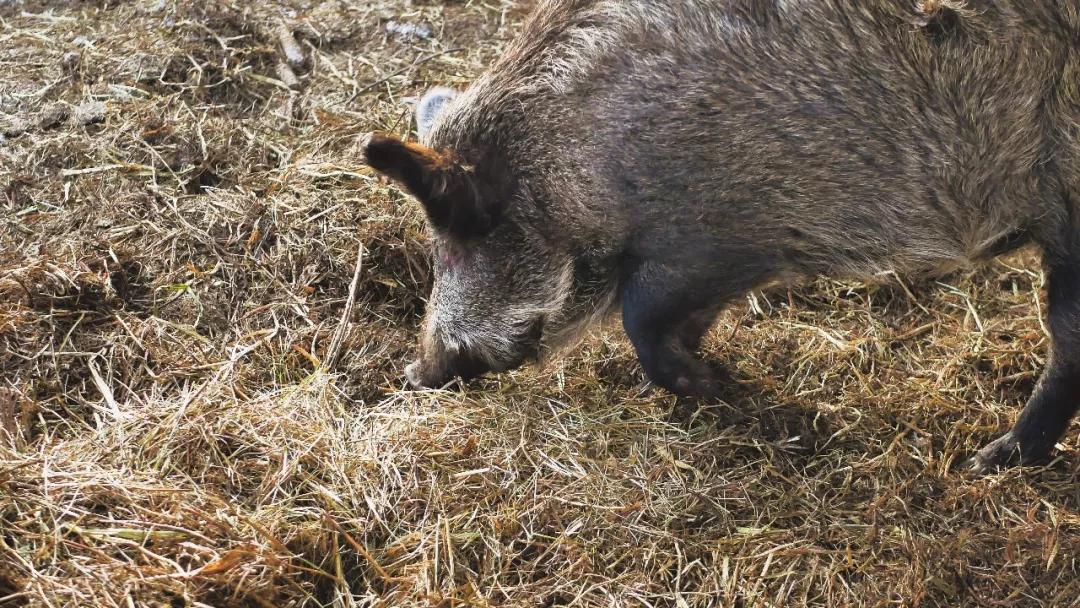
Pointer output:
x,y
665,314
1057,395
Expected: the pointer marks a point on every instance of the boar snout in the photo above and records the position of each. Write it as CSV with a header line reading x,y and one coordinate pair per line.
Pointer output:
x,y
414,374
423,374
436,372
438,365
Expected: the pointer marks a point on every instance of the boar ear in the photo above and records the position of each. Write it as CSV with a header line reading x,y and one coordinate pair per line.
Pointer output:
x,y
454,199
430,106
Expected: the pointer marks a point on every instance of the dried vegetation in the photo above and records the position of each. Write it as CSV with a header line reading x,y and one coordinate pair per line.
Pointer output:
x,y
192,413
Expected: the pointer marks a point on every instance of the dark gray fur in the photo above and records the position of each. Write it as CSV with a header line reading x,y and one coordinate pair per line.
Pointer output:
x,y
665,157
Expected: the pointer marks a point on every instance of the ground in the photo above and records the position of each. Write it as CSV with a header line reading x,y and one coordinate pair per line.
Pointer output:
x,y
207,302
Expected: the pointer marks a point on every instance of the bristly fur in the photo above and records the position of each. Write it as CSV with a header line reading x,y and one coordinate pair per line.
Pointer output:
x,y
681,152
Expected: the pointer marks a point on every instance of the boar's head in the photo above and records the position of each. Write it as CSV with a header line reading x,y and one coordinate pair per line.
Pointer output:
x,y
504,279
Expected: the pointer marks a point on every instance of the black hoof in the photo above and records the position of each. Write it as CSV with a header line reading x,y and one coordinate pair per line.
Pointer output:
x,y
1004,452
689,409
998,454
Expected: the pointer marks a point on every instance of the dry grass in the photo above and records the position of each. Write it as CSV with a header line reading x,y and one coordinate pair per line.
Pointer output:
x,y
180,231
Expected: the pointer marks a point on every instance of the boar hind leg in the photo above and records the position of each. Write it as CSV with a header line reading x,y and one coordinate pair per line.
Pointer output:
x,y
1057,395
665,316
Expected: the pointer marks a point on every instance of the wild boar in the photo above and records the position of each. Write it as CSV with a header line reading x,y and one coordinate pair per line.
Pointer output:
x,y
665,157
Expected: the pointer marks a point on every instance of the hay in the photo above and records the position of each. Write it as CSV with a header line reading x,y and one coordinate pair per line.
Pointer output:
x,y
201,398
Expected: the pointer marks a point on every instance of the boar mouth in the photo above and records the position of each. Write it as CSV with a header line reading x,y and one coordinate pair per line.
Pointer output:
x,y
527,349
531,344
